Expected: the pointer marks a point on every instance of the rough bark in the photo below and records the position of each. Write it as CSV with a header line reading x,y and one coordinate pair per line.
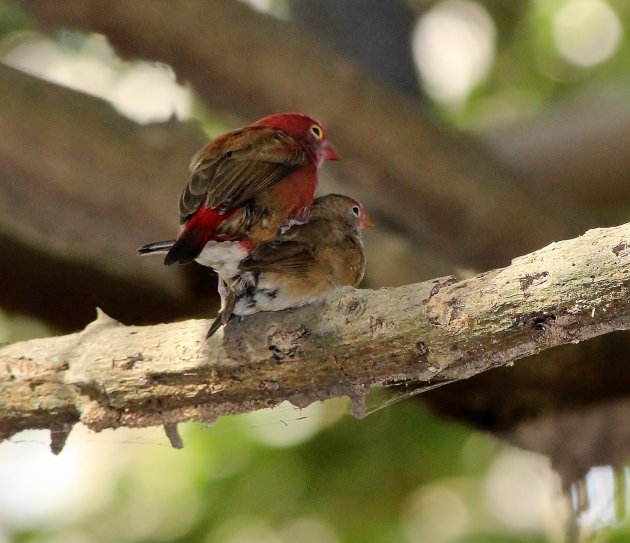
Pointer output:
x,y
440,187
110,375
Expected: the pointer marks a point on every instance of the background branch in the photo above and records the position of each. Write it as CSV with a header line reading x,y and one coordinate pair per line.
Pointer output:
x,y
440,187
576,148
71,217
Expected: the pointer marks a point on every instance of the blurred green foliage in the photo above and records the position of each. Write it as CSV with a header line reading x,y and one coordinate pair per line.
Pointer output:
x,y
528,72
13,19
354,481
20,327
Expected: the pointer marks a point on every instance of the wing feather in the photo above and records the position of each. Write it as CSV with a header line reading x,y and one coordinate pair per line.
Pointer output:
x,y
236,166
280,257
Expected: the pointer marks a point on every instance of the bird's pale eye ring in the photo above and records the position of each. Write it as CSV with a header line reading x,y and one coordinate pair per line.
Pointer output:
x,y
317,131
356,211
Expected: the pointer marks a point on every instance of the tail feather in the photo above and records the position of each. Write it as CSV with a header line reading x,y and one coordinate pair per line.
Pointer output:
x,y
225,314
156,247
197,232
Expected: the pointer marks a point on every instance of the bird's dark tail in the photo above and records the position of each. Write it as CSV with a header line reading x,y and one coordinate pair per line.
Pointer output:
x,y
198,230
224,315
187,247
156,247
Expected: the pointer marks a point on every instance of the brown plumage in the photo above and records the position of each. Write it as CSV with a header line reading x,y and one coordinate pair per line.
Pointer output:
x,y
302,264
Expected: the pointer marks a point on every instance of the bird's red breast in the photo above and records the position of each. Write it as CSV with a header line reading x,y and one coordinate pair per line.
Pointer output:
x,y
248,182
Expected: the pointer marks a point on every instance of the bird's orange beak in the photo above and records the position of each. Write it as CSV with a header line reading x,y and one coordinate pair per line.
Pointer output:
x,y
330,153
366,222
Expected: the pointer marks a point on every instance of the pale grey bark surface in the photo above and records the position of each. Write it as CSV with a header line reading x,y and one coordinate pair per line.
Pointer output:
x,y
111,375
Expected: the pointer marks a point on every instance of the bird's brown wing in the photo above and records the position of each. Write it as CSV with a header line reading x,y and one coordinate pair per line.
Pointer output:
x,y
238,165
280,257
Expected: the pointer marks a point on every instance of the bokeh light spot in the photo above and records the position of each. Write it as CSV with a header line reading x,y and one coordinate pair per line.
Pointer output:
x,y
143,91
586,32
454,47
523,492
436,513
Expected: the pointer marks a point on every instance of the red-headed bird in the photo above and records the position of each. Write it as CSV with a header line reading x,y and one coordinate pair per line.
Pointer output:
x,y
302,264
244,186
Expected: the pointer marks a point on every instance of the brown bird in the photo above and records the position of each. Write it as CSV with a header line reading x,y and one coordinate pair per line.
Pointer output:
x,y
302,264
244,186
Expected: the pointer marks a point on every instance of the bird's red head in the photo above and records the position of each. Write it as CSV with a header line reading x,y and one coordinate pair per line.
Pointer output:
x,y
305,130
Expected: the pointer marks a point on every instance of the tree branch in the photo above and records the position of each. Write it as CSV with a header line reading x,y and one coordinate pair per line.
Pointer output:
x,y
110,375
440,187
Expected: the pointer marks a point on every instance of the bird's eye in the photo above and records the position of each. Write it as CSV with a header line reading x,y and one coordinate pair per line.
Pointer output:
x,y
356,211
316,130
